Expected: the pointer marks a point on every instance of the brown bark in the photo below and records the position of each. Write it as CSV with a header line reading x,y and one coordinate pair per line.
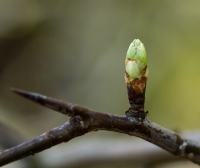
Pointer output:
x,y
85,120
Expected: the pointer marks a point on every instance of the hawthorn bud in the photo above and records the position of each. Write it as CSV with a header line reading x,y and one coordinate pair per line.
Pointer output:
x,y
136,73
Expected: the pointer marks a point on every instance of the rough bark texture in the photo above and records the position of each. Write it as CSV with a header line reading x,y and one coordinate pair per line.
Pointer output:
x,y
85,120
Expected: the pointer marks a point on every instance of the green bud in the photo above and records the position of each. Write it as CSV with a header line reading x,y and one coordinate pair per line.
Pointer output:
x,y
136,73
136,62
137,51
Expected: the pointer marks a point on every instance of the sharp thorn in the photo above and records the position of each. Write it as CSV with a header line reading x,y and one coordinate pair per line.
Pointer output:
x,y
29,95
57,105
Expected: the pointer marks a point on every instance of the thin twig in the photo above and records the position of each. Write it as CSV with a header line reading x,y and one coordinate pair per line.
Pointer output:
x,y
84,120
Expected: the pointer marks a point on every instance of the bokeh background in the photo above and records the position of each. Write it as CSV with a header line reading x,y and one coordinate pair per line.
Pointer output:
x,y
74,50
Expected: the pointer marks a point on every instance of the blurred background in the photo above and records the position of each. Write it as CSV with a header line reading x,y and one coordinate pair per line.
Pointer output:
x,y
75,50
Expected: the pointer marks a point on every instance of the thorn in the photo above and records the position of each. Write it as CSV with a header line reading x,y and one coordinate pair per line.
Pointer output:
x,y
29,95
48,102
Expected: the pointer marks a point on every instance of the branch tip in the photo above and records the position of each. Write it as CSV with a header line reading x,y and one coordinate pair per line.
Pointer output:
x,y
60,106
29,95
136,74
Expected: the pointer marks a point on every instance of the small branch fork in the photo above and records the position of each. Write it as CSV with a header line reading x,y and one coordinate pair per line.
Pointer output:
x,y
85,120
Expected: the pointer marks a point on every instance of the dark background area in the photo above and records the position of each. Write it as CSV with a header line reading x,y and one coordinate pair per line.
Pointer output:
x,y
75,50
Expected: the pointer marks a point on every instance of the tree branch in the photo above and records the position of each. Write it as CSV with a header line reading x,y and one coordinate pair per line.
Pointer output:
x,y
85,120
